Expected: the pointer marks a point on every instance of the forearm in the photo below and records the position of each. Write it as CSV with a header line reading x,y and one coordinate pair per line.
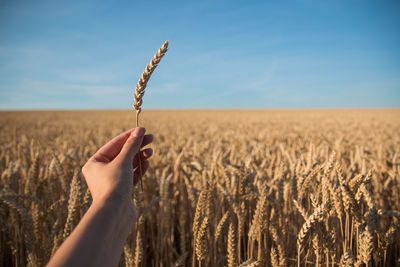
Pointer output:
x,y
99,237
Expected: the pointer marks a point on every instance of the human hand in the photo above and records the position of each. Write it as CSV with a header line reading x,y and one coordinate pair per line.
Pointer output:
x,y
113,170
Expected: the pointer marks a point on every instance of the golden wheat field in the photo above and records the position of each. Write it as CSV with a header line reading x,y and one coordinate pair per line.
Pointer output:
x,y
224,188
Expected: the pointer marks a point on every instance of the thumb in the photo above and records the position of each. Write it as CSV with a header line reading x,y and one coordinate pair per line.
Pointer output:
x,y
132,145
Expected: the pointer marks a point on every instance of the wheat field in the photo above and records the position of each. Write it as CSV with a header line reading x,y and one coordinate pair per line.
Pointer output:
x,y
224,187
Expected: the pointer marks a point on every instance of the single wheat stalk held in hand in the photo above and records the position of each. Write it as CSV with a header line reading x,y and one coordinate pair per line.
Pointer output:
x,y
141,85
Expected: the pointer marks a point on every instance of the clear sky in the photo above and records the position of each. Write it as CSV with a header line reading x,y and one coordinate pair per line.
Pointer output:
x,y
223,54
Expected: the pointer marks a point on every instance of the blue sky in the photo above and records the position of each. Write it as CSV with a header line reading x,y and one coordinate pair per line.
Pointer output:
x,y
223,54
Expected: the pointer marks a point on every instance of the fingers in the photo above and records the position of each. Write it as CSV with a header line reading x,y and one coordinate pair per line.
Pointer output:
x,y
110,150
132,145
136,174
145,154
148,138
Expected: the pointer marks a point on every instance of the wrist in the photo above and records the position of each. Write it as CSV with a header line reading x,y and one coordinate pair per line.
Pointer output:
x,y
122,207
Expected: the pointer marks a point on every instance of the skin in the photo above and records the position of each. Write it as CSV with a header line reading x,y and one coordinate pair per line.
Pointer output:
x,y
110,174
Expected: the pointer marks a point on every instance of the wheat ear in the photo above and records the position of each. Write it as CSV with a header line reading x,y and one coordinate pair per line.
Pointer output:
x,y
231,246
317,215
138,250
139,90
201,245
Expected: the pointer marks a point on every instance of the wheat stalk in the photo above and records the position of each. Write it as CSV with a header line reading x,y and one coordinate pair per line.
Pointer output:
x,y
141,86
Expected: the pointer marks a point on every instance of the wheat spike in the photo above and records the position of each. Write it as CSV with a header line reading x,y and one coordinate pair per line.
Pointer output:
x,y
347,259
141,86
221,225
281,254
369,197
301,209
87,199
60,172
311,221
274,257
32,260
307,181
250,263
199,211
230,199
349,202
366,246
201,242
142,83
389,237
180,262
258,223
355,182
129,259
138,250
231,246
74,197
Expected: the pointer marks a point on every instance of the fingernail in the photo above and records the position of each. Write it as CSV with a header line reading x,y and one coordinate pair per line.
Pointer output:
x,y
138,132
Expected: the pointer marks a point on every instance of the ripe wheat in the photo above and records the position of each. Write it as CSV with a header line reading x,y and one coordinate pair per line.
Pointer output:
x,y
244,188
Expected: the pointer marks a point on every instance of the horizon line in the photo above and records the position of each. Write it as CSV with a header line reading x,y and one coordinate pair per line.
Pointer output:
x,y
202,109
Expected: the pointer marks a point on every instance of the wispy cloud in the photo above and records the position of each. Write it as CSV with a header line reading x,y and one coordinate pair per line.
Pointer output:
x,y
257,85
57,88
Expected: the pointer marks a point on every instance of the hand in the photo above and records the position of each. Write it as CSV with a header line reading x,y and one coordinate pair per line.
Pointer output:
x,y
113,170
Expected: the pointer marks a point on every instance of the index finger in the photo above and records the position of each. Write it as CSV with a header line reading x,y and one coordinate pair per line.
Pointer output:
x,y
111,149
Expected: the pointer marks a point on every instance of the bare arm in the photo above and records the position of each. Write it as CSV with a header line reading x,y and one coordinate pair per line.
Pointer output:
x,y
99,237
